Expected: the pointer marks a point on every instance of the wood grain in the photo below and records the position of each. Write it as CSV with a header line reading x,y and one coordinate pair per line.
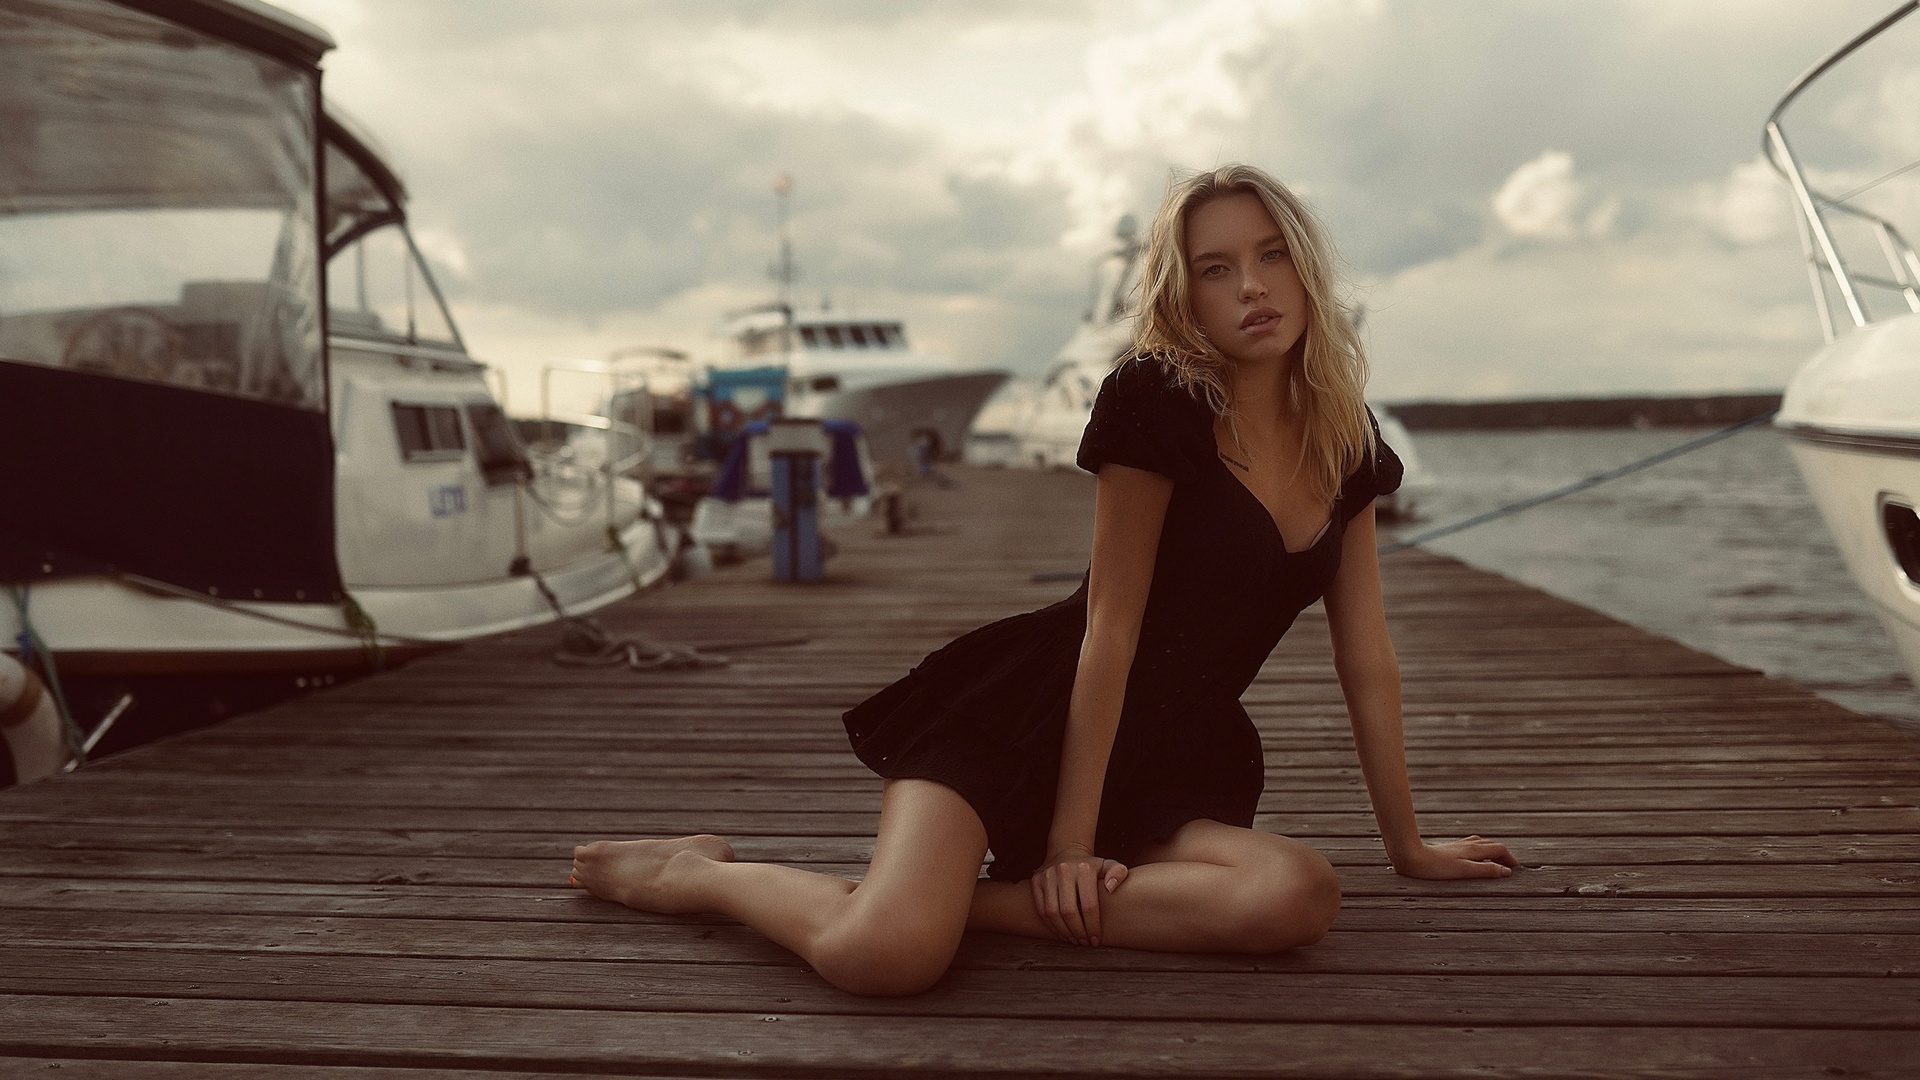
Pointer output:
x,y
1724,870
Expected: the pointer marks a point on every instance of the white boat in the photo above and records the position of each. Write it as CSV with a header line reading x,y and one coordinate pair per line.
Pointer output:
x,y
908,401
1853,411
239,430
1050,436
1060,413
914,406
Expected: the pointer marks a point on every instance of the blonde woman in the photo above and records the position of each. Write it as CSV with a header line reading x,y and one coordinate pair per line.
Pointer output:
x,y
1098,747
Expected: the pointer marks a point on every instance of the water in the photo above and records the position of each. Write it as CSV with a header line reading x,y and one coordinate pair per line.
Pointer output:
x,y
1721,549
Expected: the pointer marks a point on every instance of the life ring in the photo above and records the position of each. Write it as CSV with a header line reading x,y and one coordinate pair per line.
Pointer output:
x,y
30,723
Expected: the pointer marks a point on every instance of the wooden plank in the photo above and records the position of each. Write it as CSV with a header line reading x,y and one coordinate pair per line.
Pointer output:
x,y
1743,915
253,838
861,1045
1268,995
1411,952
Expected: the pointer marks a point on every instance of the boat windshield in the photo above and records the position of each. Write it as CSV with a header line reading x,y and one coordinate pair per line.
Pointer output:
x,y
378,288
157,211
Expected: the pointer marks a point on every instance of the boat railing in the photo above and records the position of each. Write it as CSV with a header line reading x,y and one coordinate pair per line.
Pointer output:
x,y
1811,206
629,442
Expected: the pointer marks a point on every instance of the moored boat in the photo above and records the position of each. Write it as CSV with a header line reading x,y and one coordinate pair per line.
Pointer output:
x,y
1852,412
240,433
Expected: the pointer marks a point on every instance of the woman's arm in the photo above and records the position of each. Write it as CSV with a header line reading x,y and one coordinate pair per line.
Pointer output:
x,y
1370,679
1130,506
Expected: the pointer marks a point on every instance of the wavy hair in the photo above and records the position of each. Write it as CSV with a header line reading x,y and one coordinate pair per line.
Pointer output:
x,y
1326,387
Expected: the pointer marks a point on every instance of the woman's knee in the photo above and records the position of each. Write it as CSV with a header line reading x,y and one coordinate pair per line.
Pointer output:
x,y
885,955
1290,900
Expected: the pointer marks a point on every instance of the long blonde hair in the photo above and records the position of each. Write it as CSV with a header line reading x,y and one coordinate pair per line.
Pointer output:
x,y
1326,388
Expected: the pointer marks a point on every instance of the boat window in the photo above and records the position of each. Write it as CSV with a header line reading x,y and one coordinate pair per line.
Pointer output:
x,y
354,202
502,459
377,288
429,432
811,336
833,337
859,335
879,336
826,383
157,211
1903,536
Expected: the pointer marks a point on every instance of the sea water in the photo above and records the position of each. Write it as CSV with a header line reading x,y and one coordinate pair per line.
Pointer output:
x,y
1721,549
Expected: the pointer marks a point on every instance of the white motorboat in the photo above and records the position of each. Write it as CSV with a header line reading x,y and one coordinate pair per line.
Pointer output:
x,y
1060,413
865,370
914,406
1853,411
1052,429
239,430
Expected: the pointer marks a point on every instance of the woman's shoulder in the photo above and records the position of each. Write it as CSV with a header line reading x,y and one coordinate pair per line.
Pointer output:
x,y
1146,382
1143,418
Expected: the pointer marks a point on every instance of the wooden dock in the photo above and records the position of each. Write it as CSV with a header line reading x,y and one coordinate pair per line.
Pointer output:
x,y
1724,869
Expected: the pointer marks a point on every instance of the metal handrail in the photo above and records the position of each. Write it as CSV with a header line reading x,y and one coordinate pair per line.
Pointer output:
x,y
619,378
1816,242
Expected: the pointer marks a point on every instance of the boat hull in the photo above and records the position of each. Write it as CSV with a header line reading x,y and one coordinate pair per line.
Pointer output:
x,y
104,627
1852,415
1851,481
894,416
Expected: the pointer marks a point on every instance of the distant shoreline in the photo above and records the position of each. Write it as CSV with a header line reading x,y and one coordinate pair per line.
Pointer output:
x,y
1628,412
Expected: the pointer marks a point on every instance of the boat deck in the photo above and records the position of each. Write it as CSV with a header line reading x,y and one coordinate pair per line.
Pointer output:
x,y
1724,870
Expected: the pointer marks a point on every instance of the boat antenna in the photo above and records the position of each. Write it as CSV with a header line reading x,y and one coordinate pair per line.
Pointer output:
x,y
783,270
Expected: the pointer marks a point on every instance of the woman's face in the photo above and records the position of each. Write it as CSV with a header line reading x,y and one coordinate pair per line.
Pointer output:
x,y
1245,293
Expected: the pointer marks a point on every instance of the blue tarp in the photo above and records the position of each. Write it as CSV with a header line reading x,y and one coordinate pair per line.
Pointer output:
x,y
844,478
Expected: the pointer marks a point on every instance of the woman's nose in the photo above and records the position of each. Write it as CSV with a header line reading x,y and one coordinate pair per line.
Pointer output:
x,y
1251,287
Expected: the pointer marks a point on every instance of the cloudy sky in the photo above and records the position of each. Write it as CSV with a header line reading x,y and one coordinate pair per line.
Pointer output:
x,y
1533,198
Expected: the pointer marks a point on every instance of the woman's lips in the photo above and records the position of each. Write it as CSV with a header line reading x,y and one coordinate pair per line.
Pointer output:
x,y
1260,320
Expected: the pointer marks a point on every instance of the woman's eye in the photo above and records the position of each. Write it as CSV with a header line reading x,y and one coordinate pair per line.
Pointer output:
x,y
1275,254
1214,270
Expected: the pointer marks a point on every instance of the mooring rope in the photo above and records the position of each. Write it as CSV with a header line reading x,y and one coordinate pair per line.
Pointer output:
x,y
34,651
1593,481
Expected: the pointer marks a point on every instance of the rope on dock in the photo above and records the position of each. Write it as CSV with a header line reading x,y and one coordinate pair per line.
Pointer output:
x,y
1577,486
585,643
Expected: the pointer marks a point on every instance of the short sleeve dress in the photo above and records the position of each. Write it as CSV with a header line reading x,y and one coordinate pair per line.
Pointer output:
x,y
986,714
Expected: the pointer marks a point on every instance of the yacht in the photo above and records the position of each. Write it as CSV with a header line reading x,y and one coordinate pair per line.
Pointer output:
x,y
1051,430
1065,403
909,402
240,433
913,406
1852,412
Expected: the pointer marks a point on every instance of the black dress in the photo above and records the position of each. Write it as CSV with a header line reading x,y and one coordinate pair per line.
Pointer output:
x,y
986,715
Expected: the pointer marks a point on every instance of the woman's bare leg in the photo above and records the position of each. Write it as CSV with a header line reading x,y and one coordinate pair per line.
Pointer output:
x,y
894,932
1211,888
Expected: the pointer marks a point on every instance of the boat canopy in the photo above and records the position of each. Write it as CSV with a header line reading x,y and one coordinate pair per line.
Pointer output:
x,y
162,372
157,210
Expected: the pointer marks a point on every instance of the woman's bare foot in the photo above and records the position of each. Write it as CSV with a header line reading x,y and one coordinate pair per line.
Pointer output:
x,y
647,875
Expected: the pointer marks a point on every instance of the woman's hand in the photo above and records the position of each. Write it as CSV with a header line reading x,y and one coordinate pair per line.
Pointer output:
x,y
1469,858
1066,892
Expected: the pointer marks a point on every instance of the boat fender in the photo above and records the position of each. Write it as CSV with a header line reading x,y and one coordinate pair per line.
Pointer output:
x,y
31,723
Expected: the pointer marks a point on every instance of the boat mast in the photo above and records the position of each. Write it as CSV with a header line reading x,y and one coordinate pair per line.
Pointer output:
x,y
783,270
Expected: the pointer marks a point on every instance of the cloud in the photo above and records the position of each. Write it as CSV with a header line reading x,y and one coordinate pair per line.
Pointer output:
x,y
1540,198
603,168
1750,206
